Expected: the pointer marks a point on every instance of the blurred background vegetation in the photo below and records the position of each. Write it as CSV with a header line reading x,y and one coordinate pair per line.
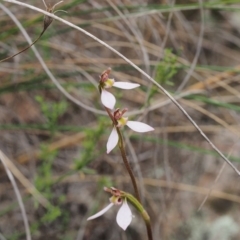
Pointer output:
x,y
192,49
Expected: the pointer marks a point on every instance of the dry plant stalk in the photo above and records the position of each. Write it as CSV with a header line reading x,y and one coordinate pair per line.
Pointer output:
x,y
24,181
5,161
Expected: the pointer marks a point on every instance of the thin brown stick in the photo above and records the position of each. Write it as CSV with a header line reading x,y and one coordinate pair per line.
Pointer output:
x,y
26,48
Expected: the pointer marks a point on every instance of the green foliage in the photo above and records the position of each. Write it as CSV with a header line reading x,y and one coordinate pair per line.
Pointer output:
x,y
165,71
167,68
52,111
43,180
15,236
52,214
89,145
44,183
34,227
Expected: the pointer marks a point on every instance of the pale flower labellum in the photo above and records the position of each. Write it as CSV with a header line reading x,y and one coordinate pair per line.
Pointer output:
x,y
108,100
124,216
112,140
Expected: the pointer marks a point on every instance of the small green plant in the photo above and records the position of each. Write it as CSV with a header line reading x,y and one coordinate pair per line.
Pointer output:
x,y
89,145
51,215
52,111
44,183
15,236
167,68
165,71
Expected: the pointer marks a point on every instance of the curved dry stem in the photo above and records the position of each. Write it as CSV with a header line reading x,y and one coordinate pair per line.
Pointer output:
x,y
56,4
45,4
139,70
26,183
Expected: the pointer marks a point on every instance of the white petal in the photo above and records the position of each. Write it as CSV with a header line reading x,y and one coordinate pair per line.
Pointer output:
x,y
112,140
124,216
139,126
108,100
101,212
125,85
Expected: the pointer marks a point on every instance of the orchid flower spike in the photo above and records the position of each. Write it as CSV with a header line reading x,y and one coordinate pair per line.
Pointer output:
x,y
121,121
124,215
108,100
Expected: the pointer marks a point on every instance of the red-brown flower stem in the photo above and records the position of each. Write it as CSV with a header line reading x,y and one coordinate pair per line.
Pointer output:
x,y
124,156
111,116
26,48
127,165
149,230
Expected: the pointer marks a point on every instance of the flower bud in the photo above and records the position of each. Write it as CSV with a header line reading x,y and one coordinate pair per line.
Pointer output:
x,y
105,75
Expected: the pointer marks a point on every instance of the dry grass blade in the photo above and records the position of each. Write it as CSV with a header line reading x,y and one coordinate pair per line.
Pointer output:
x,y
163,184
212,116
199,46
215,181
5,162
24,181
58,144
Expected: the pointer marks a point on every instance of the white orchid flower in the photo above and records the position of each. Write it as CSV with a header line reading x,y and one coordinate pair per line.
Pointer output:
x,y
107,98
124,215
134,125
